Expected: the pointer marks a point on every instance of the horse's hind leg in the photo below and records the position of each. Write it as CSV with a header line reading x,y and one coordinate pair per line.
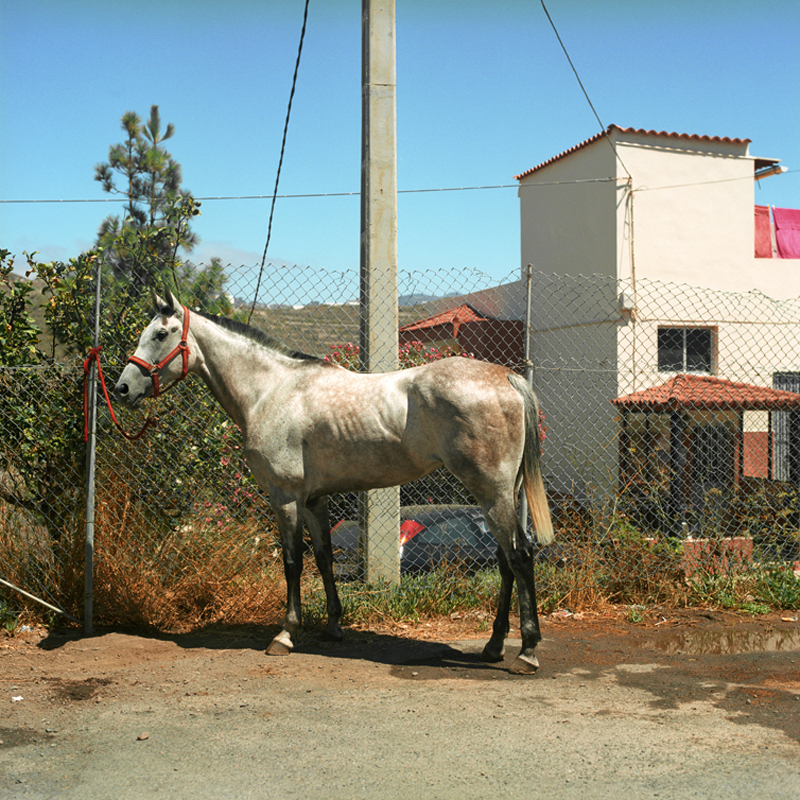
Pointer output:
x,y
517,560
495,647
320,527
521,562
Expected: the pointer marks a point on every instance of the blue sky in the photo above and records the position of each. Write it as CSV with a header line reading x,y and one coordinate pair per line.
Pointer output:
x,y
484,92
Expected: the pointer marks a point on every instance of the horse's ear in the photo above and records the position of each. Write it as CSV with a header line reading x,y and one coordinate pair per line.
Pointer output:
x,y
165,307
173,300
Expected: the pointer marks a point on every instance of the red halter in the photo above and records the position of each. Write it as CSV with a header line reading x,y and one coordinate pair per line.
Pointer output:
x,y
181,348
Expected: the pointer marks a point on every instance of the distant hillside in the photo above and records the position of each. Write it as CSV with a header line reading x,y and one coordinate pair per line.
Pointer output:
x,y
314,328
311,328
416,299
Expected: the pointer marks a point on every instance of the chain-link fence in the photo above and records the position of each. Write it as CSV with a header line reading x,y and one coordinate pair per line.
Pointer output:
x,y
671,417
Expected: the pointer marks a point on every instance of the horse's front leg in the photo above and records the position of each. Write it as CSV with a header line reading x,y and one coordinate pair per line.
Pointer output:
x,y
320,527
290,525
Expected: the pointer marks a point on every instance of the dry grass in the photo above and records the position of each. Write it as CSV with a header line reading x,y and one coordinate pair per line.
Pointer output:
x,y
31,559
180,577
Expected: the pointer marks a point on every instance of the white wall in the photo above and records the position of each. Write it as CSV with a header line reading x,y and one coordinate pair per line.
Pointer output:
x,y
689,217
693,220
755,334
568,214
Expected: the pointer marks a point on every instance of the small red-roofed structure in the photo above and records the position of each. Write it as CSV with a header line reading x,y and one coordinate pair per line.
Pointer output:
x,y
689,433
466,330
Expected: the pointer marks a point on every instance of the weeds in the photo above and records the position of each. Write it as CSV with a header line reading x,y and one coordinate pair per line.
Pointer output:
x,y
9,619
755,591
778,587
712,590
635,615
429,595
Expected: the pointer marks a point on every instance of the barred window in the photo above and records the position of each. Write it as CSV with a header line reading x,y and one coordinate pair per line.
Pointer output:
x,y
786,432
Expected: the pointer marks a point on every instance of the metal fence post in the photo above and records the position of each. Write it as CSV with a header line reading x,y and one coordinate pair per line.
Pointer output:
x,y
88,564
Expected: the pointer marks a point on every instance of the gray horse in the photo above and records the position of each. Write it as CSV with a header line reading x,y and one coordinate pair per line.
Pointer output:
x,y
311,428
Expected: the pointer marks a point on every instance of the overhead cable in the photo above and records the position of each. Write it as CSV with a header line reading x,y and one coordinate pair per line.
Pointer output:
x,y
280,160
583,89
307,195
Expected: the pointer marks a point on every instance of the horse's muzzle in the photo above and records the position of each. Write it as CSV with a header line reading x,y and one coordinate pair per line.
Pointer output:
x,y
127,394
122,393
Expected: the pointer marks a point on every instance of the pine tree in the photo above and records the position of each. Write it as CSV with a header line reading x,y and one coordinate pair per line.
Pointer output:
x,y
143,245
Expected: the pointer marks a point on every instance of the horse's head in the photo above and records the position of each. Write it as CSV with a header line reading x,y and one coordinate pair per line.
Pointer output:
x,y
155,364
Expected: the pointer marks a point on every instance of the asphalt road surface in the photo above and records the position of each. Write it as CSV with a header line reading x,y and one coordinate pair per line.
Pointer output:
x,y
695,706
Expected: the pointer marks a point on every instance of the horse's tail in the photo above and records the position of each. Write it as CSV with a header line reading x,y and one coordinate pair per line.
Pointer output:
x,y
531,467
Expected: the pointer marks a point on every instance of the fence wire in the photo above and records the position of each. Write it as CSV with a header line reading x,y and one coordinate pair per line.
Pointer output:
x,y
671,450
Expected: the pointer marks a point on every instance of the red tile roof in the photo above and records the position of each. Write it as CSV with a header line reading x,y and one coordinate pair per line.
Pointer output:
x,y
642,131
455,316
700,392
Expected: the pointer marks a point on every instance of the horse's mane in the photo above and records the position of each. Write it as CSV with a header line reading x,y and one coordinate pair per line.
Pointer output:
x,y
259,336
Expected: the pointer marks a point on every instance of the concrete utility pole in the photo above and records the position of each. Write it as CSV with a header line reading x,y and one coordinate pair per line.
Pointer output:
x,y
378,336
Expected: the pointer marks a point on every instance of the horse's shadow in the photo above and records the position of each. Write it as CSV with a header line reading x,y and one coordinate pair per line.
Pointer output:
x,y
406,657
412,658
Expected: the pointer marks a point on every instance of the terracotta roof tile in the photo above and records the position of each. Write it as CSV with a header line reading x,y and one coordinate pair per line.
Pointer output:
x,y
642,131
455,316
701,392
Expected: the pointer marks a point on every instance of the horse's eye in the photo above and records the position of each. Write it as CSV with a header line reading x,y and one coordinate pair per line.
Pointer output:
x,y
162,334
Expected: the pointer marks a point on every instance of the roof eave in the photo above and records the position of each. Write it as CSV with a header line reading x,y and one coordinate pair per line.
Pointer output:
x,y
639,131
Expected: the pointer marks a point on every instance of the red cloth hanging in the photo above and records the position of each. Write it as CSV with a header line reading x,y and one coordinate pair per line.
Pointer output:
x,y
763,233
787,231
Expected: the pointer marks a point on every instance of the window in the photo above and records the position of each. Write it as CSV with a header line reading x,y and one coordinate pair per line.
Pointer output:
x,y
684,349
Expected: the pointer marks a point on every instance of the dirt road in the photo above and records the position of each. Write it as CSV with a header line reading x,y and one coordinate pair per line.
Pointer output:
x,y
697,706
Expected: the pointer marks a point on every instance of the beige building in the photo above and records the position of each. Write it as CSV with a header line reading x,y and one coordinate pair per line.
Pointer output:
x,y
621,230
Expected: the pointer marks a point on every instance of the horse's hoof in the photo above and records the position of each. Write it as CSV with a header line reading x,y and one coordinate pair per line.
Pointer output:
x,y
333,634
281,645
492,656
524,665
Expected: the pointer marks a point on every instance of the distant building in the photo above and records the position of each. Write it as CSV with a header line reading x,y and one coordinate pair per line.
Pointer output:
x,y
466,330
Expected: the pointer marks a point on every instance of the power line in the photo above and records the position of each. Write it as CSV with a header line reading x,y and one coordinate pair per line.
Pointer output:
x,y
306,195
583,89
280,160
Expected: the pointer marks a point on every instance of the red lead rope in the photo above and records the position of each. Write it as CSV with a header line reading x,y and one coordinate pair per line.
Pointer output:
x,y
94,355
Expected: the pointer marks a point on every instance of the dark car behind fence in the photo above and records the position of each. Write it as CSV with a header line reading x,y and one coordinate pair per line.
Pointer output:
x,y
430,536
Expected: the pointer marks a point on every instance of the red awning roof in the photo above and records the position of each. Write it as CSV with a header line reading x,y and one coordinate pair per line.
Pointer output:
x,y
700,392
455,316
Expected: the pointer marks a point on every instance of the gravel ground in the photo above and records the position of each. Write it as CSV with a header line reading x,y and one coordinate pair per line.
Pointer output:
x,y
687,706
